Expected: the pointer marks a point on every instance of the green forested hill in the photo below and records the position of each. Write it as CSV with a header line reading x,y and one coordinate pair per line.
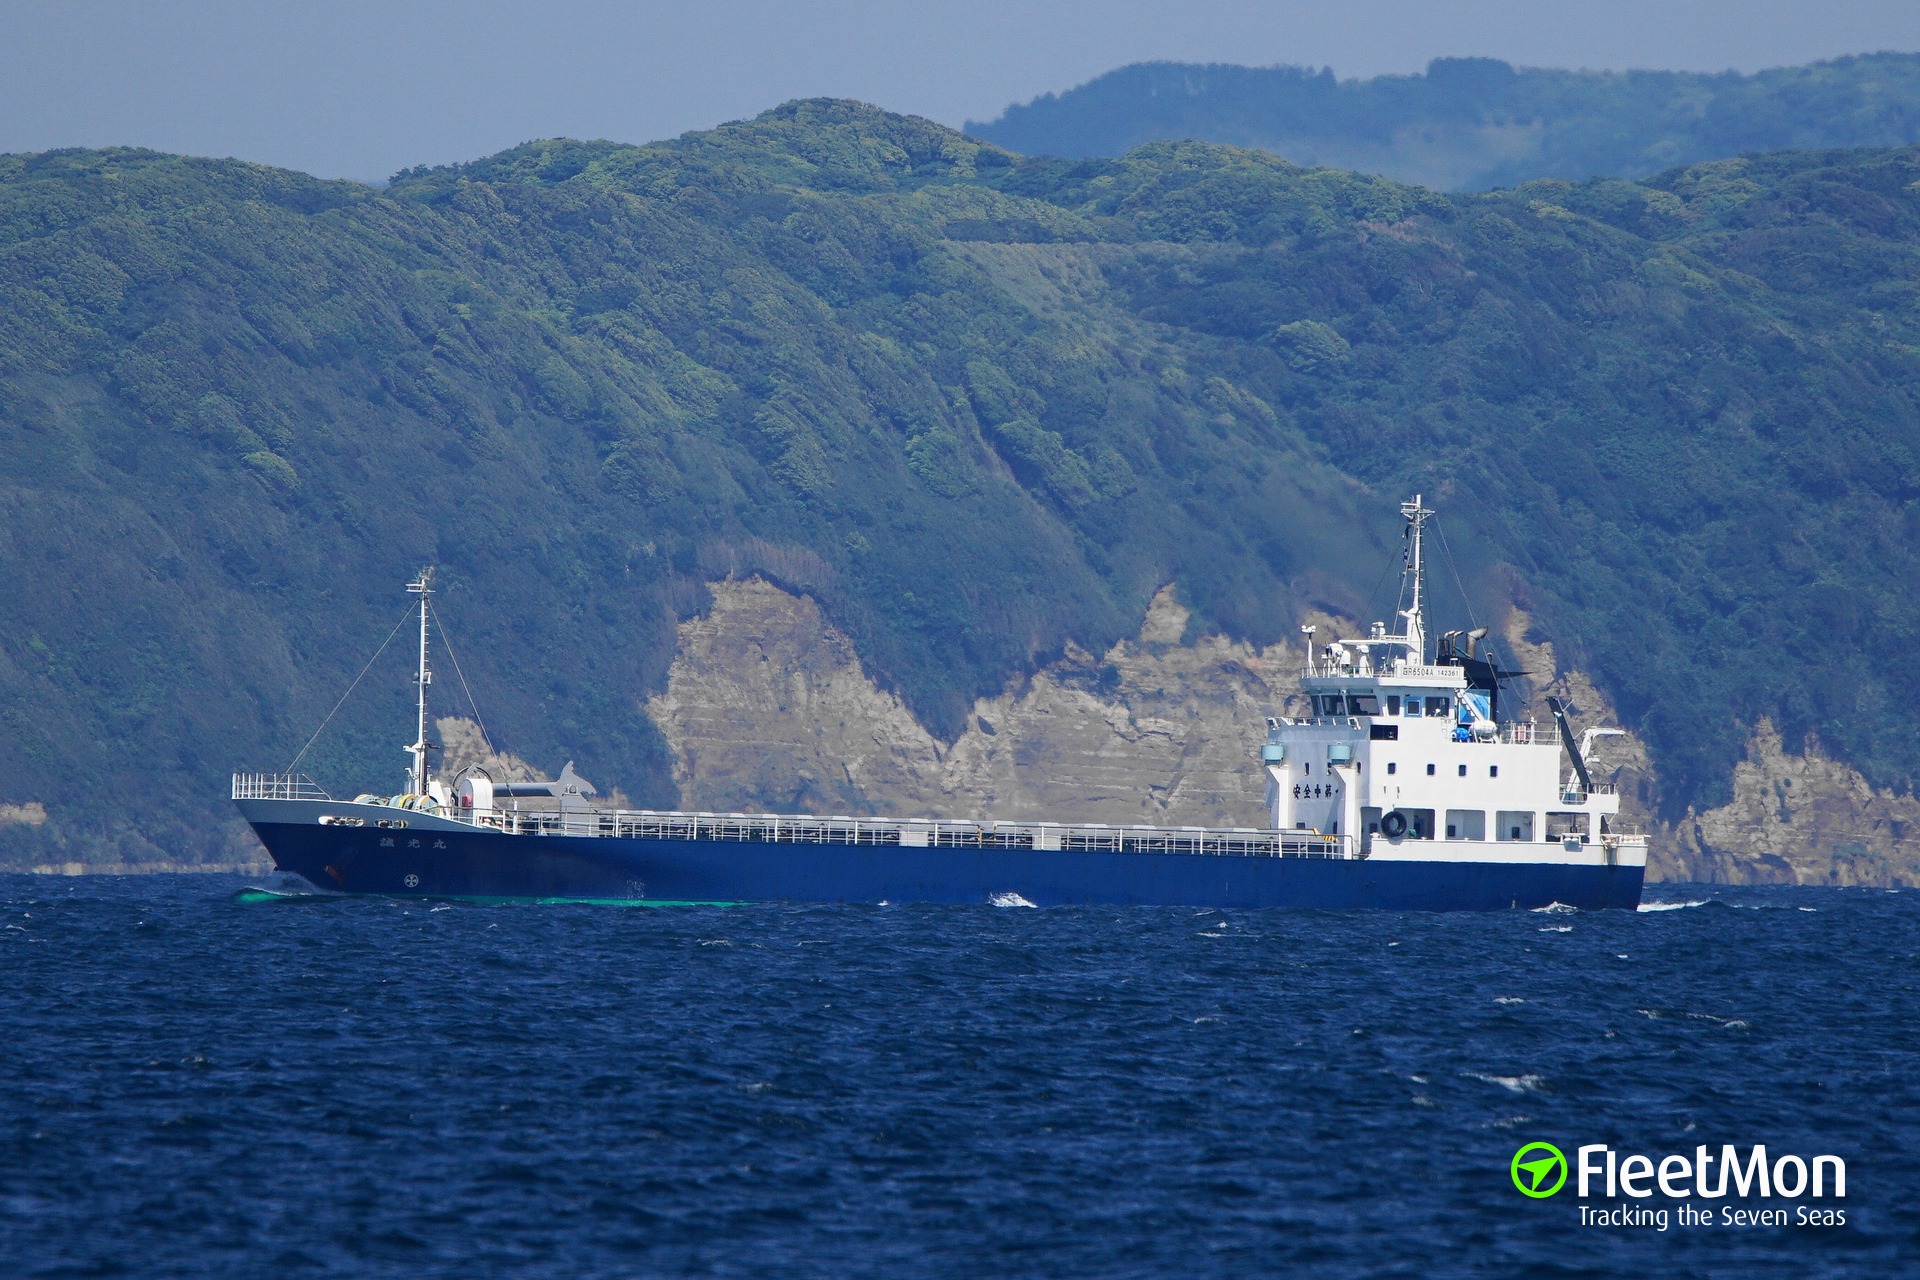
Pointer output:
x,y
1475,123
977,405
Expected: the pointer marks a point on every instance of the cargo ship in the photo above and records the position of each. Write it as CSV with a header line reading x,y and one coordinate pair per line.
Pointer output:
x,y
1405,787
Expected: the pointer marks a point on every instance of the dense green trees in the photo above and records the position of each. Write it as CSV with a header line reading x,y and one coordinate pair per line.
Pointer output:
x,y
977,405
1475,123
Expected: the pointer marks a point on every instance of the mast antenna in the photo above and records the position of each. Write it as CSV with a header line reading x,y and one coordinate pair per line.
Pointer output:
x,y
418,777
1417,515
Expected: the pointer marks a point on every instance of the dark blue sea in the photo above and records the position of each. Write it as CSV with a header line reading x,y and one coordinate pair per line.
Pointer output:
x,y
196,1085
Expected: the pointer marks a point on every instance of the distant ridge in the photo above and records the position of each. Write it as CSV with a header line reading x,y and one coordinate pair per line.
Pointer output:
x,y
1472,124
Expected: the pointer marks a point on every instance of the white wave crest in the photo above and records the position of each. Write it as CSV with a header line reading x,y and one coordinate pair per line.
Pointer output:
x,y
1009,900
1671,906
1556,909
1513,1084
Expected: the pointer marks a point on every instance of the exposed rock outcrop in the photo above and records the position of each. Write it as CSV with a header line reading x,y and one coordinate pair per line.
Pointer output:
x,y
768,707
30,814
1799,819
463,745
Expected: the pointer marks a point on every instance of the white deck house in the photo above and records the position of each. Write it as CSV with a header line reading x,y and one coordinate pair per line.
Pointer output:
x,y
1411,755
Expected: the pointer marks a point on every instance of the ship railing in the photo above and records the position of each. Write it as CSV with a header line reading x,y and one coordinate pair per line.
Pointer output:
x,y
1513,732
648,824
276,786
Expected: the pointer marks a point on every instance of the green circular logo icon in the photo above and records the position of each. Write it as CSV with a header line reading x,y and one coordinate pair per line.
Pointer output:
x,y
1542,1174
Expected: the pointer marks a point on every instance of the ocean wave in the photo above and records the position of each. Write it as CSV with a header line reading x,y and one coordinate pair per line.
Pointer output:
x,y
1671,906
1514,1084
1009,900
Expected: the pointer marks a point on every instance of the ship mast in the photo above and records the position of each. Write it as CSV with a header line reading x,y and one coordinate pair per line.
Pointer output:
x,y
417,782
1416,632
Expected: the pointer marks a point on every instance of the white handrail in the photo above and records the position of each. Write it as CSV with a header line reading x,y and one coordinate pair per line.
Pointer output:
x,y
276,786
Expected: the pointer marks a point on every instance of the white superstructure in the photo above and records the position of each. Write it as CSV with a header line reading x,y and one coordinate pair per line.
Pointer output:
x,y
1407,755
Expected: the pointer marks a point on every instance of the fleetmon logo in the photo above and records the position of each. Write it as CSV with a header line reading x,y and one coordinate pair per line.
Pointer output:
x,y
1539,1170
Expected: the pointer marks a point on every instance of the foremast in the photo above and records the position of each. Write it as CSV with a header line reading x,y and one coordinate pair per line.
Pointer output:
x,y
418,776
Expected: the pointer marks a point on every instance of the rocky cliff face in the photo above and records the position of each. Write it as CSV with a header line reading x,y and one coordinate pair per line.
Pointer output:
x,y
1799,819
464,745
767,707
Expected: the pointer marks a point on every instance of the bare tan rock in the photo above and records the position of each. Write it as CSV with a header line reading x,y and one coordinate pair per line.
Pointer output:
x,y
463,744
30,814
1800,819
768,707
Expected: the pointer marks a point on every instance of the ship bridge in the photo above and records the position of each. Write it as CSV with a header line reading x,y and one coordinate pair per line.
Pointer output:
x,y
1406,743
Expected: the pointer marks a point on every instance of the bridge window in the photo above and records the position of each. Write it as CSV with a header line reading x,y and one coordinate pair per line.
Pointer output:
x,y
1393,704
1439,706
1363,704
1413,706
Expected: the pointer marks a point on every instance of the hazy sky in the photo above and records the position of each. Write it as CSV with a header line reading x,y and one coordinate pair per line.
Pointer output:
x,y
363,88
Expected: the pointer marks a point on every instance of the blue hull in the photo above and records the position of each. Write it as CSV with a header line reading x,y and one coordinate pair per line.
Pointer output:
x,y
484,865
